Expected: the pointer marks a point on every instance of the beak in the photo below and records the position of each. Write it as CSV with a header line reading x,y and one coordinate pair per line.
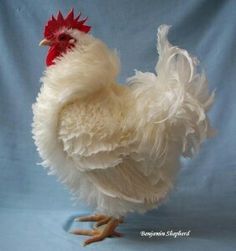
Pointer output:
x,y
45,42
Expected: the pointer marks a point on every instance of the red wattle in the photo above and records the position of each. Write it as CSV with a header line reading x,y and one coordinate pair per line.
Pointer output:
x,y
54,52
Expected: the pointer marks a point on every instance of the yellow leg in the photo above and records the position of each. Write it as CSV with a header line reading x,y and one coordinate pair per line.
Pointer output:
x,y
107,228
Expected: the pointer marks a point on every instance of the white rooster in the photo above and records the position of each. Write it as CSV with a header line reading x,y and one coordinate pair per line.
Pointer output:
x,y
117,147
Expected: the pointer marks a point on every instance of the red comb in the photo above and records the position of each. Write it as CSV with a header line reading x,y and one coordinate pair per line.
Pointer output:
x,y
54,24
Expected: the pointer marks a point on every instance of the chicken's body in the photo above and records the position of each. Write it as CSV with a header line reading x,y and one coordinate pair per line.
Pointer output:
x,y
105,147
118,147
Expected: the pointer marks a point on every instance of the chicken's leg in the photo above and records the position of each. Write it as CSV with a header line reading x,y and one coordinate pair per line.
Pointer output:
x,y
107,228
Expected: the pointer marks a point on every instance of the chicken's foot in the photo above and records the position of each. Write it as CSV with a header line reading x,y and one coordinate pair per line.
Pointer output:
x,y
106,228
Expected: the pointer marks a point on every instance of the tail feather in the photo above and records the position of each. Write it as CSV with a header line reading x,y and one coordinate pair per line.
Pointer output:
x,y
178,96
178,71
177,65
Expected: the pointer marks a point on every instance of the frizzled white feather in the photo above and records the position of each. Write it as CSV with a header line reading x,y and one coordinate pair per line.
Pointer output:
x,y
118,147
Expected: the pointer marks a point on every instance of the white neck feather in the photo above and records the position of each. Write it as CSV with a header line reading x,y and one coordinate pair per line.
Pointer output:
x,y
88,67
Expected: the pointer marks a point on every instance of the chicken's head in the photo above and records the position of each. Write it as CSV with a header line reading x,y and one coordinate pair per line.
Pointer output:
x,y
61,34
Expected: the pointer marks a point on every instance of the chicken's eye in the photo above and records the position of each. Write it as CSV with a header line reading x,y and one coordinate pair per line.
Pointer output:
x,y
63,37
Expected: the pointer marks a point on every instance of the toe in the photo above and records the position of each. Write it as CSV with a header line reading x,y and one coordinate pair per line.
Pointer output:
x,y
96,217
117,234
102,221
93,239
83,232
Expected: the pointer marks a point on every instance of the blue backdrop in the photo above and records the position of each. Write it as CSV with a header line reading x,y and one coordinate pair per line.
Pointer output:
x,y
35,210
